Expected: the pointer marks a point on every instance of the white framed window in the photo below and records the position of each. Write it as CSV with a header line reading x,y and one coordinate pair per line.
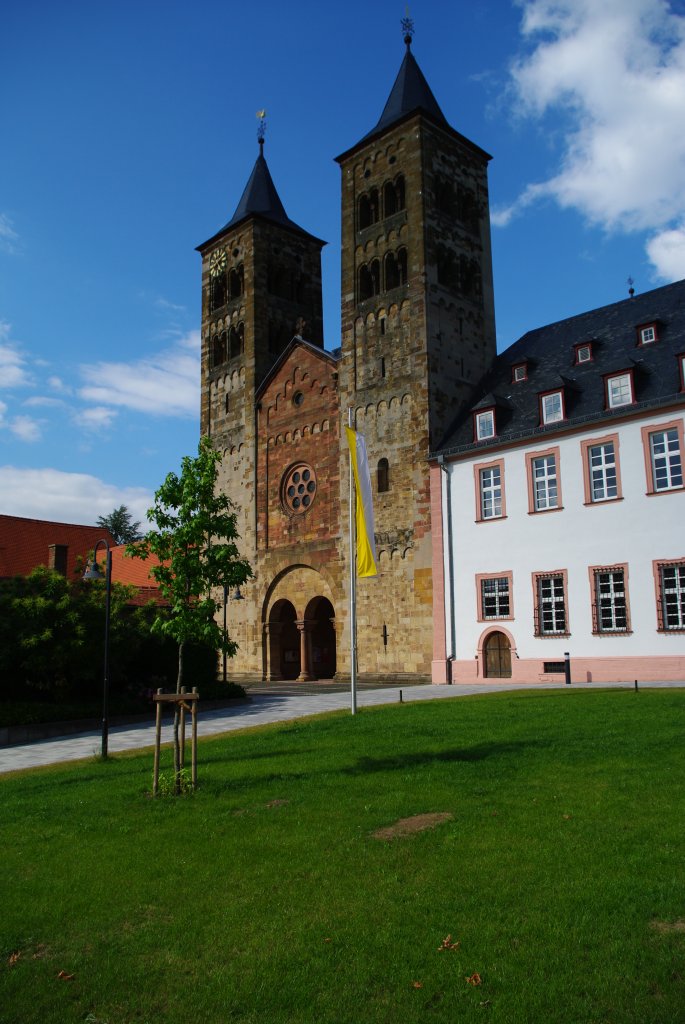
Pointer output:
x,y
619,390
583,354
519,373
550,605
603,471
495,597
666,459
552,406
610,608
491,492
485,425
671,595
545,483
648,334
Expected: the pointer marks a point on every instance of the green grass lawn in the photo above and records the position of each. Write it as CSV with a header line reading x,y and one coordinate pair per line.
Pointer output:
x,y
264,897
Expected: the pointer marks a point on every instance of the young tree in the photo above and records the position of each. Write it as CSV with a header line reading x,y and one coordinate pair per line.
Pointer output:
x,y
119,524
194,540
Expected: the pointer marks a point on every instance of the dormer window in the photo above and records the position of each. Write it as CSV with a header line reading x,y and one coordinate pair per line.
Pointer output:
x,y
485,425
619,390
647,334
583,353
519,372
552,407
681,364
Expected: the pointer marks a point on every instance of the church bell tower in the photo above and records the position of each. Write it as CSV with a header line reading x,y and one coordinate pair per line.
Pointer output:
x,y
418,332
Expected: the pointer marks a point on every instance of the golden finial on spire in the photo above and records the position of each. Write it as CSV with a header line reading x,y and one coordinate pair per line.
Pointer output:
x,y
261,131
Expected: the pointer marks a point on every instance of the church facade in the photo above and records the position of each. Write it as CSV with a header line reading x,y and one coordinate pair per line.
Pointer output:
x,y
417,334
528,505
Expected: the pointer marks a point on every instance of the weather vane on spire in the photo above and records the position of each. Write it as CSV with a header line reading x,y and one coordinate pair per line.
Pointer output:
x,y
407,26
261,131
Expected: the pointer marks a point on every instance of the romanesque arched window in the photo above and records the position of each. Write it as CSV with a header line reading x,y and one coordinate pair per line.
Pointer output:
x,y
448,268
467,208
236,341
383,475
470,278
392,273
444,196
236,281
393,196
218,349
368,209
369,280
402,265
217,291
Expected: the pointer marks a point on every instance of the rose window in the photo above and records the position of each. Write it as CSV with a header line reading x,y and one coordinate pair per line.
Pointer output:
x,y
299,488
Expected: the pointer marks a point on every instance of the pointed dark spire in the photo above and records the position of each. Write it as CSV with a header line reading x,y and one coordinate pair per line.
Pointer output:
x,y
410,94
259,199
260,196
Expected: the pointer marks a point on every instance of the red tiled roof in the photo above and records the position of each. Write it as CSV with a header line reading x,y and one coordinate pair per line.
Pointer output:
x,y
134,572
25,544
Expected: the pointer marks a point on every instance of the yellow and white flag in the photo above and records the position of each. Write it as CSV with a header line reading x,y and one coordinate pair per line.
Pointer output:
x,y
366,544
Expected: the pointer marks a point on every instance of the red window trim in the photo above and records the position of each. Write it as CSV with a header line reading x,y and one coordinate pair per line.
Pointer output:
x,y
544,394
480,412
619,373
514,368
576,348
641,327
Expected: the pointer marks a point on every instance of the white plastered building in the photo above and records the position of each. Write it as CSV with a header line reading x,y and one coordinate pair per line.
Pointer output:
x,y
561,505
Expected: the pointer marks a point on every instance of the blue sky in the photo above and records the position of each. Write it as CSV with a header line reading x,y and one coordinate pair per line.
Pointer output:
x,y
128,131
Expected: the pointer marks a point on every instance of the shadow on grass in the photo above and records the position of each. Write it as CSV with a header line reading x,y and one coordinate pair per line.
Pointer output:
x,y
404,761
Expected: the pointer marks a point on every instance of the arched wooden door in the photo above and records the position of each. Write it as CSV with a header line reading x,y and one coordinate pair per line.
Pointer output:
x,y
497,652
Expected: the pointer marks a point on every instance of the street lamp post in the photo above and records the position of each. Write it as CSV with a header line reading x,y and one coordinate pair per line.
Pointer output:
x,y
93,572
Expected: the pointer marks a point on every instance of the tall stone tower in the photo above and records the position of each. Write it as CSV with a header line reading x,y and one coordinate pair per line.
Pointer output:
x,y
418,333
261,286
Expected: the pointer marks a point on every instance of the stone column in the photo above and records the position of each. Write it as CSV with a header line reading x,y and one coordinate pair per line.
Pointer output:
x,y
305,675
272,651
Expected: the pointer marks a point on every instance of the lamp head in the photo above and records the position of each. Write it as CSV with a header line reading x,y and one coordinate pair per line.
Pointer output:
x,y
93,572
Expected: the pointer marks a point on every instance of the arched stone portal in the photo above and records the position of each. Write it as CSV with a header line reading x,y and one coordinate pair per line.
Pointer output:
x,y
299,627
321,619
284,641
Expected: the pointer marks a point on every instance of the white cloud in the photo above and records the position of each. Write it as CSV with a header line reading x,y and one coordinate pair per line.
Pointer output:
x,y
616,69
166,384
96,418
13,372
8,236
25,428
167,306
57,384
666,251
66,497
3,410
43,401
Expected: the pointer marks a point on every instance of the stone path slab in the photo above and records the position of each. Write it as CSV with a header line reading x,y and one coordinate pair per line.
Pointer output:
x,y
262,710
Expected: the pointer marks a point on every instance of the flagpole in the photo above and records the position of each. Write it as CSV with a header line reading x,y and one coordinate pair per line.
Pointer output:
x,y
353,583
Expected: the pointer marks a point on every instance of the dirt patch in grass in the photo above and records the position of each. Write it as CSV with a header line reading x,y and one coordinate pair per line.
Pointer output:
x,y
669,926
408,826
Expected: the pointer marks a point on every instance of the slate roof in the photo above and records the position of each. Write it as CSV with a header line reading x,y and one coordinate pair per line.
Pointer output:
x,y
550,357
410,94
259,199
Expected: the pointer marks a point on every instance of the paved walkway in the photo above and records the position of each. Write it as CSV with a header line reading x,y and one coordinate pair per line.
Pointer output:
x,y
261,710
